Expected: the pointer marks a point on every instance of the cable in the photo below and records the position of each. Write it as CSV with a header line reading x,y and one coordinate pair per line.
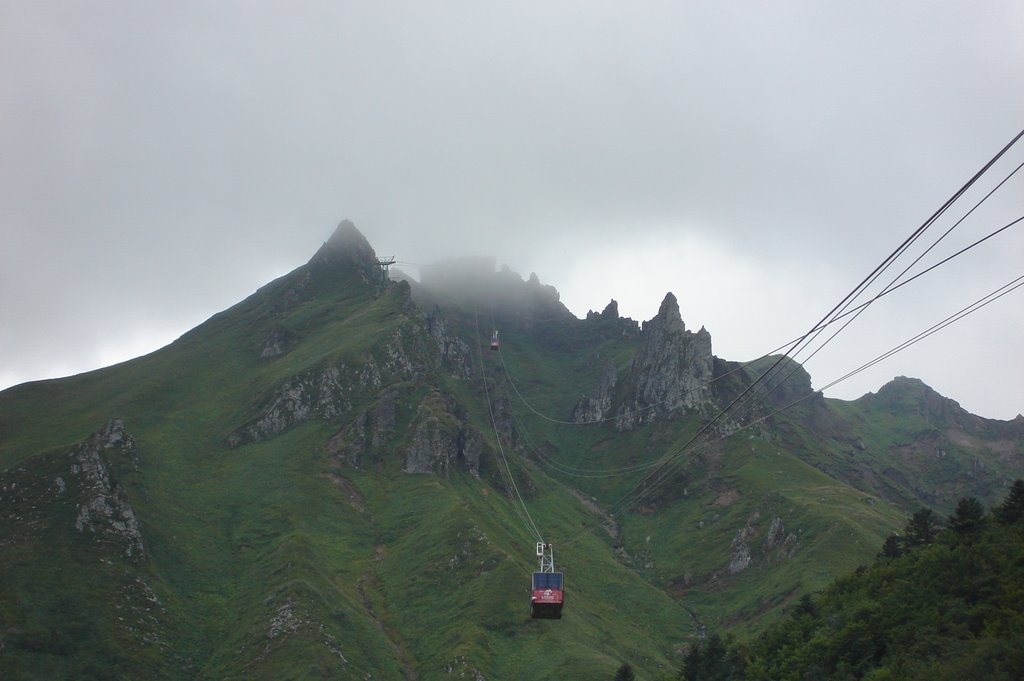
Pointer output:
x,y
598,473
487,394
659,474
889,289
573,470
693,453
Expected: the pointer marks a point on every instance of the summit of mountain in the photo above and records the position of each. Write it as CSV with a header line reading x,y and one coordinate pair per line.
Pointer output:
x,y
339,476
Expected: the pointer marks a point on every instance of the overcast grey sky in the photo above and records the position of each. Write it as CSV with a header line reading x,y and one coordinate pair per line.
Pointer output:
x,y
160,161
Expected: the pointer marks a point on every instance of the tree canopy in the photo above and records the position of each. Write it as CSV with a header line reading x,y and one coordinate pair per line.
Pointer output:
x,y
946,605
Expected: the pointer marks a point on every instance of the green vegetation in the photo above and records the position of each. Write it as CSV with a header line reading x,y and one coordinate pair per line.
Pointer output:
x,y
284,537
950,605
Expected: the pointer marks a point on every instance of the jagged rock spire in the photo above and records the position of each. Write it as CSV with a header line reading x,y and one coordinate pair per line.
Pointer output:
x,y
611,311
669,374
668,317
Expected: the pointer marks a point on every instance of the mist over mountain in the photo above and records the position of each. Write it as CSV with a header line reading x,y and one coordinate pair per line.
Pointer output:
x,y
340,476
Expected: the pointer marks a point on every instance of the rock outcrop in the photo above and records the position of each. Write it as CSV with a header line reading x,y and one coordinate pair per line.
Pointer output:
x,y
438,435
105,511
594,407
669,375
453,352
329,393
442,439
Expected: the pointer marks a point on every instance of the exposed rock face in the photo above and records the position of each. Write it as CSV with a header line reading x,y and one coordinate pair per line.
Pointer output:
x,y
611,311
455,355
278,343
740,559
778,544
439,436
593,408
669,374
325,393
442,439
348,249
434,446
328,393
367,433
105,510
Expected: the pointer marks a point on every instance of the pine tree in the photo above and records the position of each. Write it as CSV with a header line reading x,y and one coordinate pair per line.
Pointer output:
x,y
625,673
922,528
892,548
969,517
712,660
1012,509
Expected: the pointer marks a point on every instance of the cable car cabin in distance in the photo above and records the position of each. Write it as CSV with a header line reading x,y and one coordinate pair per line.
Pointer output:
x,y
548,590
494,341
548,596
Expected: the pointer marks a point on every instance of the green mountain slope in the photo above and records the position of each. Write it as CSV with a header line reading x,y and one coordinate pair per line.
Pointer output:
x,y
949,608
313,484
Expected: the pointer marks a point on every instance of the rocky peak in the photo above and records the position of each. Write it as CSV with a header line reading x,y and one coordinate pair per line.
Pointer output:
x,y
348,248
611,311
668,318
669,374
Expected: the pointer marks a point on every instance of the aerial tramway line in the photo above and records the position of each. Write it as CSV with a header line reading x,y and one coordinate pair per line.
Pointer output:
x,y
547,584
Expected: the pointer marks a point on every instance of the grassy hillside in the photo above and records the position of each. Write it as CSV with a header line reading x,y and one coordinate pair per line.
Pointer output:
x,y
950,608
313,484
275,559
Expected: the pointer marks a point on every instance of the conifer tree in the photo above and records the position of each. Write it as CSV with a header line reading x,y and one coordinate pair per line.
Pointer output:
x,y
625,673
1012,508
892,548
968,518
922,528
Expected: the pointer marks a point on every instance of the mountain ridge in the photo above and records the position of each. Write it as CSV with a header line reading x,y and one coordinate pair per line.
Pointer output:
x,y
325,478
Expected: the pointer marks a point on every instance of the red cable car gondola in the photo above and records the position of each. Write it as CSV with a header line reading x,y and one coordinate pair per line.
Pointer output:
x,y
494,340
548,587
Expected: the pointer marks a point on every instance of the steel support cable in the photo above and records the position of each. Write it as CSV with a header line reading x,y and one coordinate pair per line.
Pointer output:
x,y
957,316
828,318
928,223
954,226
892,284
598,473
497,437
899,251
594,473
952,319
839,307
859,309
792,355
843,315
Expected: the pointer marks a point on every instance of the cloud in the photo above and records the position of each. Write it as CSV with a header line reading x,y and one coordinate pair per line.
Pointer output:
x,y
161,161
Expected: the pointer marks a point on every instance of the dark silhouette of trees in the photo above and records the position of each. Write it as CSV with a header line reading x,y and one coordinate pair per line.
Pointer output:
x,y
625,673
946,605
922,528
1012,509
892,547
712,660
968,518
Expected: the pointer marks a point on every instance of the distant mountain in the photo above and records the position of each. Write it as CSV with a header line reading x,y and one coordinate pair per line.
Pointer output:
x,y
325,480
